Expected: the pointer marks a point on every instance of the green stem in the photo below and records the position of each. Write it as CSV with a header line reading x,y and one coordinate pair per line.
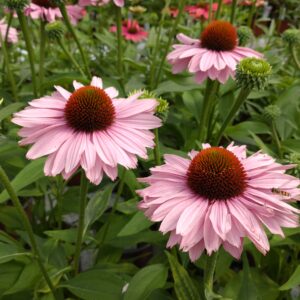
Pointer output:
x,y
114,207
157,45
70,56
251,14
83,196
59,199
210,11
218,13
244,93
171,36
10,190
156,148
119,43
295,57
25,30
42,55
276,139
64,13
9,72
233,9
211,262
210,93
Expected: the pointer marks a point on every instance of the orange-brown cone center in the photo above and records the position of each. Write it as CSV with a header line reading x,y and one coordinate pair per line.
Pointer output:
x,y
219,36
89,109
216,174
44,3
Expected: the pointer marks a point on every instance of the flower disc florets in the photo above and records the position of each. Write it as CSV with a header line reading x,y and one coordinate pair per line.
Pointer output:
x,y
16,4
216,174
244,35
89,109
219,36
291,36
45,3
54,30
252,73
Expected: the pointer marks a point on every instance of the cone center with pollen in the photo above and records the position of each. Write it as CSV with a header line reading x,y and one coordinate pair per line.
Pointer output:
x,y
89,109
216,174
44,3
219,36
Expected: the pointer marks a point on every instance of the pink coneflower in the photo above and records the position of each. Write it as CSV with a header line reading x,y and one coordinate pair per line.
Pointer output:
x,y
119,3
214,55
12,32
132,31
47,10
218,197
90,128
251,2
173,11
199,11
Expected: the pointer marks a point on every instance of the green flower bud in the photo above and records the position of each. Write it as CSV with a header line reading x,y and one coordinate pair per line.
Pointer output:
x,y
252,73
55,30
16,4
162,110
244,34
292,36
295,158
272,112
137,9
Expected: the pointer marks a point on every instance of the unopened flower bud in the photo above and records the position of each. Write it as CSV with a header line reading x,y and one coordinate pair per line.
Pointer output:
x,y
16,4
272,112
54,30
244,35
292,36
252,73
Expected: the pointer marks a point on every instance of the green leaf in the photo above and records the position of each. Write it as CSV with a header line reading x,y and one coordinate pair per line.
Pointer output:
x,y
97,206
136,224
10,251
183,284
145,281
66,235
96,284
29,174
293,281
10,109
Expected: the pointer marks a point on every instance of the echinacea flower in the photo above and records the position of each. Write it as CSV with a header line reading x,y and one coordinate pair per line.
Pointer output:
x,y
119,3
90,127
12,36
48,11
199,11
132,31
218,197
251,2
215,55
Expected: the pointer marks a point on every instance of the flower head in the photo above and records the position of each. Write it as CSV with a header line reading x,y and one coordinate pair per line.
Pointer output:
x,y
132,31
119,3
292,36
218,197
48,10
16,4
12,32
215,55
200,11
90,127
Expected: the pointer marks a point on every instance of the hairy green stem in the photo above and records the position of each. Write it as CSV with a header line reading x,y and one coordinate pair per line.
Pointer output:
x,y
9,72
156,148
210,11
70,27
251,14
210,93
157,44
70,57
295,56
209,271
42,55
233,10
218,13
276,139
119,43
83,196
244,93
59,199
25,31
14,198
171,36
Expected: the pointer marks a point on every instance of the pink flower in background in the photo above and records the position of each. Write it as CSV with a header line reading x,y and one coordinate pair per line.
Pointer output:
x,y
199,11
119,3
89,128
215,55
48,11
218,197
132,31
173,12
12,32
251,2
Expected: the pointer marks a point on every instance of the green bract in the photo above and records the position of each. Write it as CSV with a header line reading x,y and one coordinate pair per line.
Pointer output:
x,y
272,112
16,4
55,30
252,73
291,36
244,34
